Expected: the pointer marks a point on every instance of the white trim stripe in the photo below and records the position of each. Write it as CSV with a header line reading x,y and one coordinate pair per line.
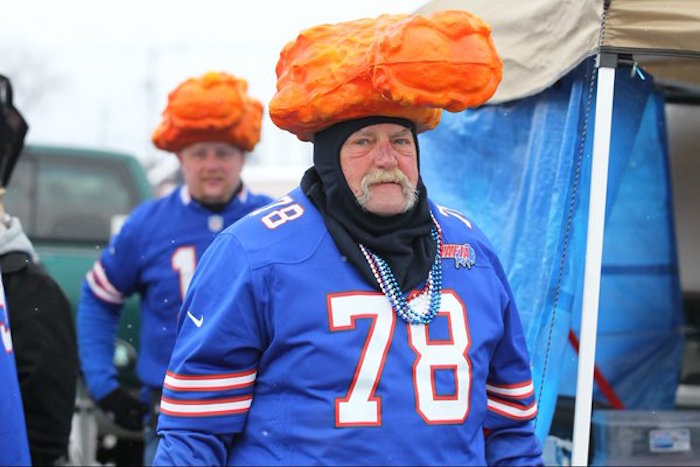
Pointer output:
x,y
516,392
172,381
104,282
511,411
202,408
101,293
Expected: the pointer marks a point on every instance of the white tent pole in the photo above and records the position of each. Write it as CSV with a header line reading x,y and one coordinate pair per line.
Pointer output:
x,y
594,258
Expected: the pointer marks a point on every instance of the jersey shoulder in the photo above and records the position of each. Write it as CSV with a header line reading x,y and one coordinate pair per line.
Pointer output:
x,y
151,214
459,229
256,200
287,230
455,224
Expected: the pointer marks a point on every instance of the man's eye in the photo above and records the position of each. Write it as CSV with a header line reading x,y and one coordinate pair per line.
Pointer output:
x,y
361,141
402,141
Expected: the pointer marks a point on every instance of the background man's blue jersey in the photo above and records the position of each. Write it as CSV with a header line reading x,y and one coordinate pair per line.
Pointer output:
x,y
285,355
14,447
154,255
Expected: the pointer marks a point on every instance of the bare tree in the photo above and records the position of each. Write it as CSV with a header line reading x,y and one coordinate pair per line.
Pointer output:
x,y
32,78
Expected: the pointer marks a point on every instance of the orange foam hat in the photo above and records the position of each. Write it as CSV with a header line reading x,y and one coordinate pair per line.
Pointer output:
x,y
408,66
213,107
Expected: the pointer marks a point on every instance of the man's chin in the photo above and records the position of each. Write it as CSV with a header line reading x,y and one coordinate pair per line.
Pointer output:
x,y
214,197
381,208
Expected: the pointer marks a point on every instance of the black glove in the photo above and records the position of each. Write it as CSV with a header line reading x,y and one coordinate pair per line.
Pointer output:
x,y
124,409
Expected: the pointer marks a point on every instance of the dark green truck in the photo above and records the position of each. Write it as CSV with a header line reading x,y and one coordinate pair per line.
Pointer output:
x,y
70,201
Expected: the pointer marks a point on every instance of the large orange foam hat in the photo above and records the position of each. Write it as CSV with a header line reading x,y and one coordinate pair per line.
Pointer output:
x,y
408,66
213,107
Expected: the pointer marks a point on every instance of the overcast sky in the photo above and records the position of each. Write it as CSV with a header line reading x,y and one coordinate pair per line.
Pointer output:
x,y
97,74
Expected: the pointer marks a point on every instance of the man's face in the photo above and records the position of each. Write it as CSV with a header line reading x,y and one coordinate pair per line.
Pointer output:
x,y
380,164
212,170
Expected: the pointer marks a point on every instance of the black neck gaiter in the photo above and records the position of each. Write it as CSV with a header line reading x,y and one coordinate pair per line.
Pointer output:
x,y
218,207
402,240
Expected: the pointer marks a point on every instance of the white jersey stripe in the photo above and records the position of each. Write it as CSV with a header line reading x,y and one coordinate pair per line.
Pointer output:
x,y
204,408
516,392
100,291
512,411
172,381
104,282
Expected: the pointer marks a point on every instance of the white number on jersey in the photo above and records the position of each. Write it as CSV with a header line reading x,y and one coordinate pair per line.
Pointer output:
x,y
275,218
454,213
184,260
360,407
449,355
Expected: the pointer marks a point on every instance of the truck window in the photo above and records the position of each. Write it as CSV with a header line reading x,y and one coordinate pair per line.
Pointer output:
x,y
69,198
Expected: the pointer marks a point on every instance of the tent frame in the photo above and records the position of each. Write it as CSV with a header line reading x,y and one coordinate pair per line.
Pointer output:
x,y
605,85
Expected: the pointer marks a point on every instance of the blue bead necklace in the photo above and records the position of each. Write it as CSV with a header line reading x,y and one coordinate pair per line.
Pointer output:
x,y
390,286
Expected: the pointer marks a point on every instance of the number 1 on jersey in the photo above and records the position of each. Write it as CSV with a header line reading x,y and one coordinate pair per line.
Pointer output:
x,y
184,260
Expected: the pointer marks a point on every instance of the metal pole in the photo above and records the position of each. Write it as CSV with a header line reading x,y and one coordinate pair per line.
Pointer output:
x,y
594,257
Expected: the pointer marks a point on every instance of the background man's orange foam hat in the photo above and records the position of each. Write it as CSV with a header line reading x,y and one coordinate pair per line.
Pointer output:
x,y
408,66
213,107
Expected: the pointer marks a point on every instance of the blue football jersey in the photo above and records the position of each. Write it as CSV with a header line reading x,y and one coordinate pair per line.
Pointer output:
x,y
154,254
14,447
285,355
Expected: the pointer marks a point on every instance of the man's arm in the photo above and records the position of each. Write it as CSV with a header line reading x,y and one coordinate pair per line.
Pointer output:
x,y
509,434
192,448
112,278
210,382
97,329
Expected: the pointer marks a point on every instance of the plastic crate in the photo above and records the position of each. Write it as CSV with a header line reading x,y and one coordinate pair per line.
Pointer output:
x,y
640,437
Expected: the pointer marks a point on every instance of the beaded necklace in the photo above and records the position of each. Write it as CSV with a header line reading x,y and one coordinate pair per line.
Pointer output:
x,y
390,286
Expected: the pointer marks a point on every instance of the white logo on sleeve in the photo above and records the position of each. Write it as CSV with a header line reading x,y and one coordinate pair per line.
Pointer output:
x,y
6,338
197,322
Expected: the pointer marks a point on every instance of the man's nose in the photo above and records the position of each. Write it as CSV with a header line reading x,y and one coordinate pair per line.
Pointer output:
x,y
385,155
211,160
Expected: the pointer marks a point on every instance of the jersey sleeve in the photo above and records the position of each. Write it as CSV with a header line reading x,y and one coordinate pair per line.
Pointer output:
x,y
113,277
209,385
509,434
198,448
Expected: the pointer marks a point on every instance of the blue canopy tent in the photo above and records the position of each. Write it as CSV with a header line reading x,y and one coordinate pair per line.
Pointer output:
x,y
569,145
522,175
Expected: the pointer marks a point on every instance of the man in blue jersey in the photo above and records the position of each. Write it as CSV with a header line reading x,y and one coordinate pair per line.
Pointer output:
x,y
355,321
209,124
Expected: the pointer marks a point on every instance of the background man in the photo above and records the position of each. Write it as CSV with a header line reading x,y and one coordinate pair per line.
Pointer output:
x,y
209,123
355,321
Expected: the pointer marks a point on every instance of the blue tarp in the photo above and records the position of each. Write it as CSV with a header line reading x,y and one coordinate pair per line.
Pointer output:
x,y
521,171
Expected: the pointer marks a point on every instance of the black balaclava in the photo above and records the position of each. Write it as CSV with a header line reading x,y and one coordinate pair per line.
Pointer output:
x,y
402,240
